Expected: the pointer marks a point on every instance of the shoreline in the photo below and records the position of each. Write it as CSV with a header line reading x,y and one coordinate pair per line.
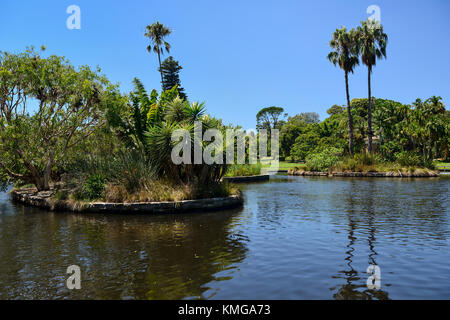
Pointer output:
x,y
388,174
44,200
256,178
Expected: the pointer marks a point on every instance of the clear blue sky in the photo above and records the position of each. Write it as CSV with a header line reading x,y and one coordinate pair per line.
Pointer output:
x,y
240,56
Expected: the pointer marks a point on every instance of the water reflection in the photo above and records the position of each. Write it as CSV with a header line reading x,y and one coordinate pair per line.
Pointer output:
x,y
295,238
354,288
163,257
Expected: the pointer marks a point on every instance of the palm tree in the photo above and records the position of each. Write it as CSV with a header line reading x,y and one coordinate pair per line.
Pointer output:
x,y
156,32
372,43
345,55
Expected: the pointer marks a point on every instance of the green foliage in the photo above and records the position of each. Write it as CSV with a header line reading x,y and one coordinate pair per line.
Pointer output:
x,y
269,118
157,33
170,70
305,143
243,170
93,187
345,55
323,160
408,158
71,105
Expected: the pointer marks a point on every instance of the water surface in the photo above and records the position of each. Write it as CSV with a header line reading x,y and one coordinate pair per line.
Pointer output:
x,y
295,238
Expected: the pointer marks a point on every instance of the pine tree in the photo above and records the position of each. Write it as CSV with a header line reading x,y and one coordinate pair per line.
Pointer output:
x,y
170,70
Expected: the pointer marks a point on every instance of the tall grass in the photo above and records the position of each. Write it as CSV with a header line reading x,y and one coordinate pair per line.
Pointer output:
x,y
242,170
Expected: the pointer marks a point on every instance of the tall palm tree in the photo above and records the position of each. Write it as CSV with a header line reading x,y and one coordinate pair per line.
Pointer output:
x,y
345,55
157,32
372,43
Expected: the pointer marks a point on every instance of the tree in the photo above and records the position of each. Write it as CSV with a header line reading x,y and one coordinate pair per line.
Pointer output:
x,y
170,70
69,105
335,109
345,55
157,32
269,118
372,43
310,117
306,142
290,131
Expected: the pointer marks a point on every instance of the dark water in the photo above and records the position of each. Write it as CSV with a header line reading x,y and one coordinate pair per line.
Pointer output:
x,y
295,238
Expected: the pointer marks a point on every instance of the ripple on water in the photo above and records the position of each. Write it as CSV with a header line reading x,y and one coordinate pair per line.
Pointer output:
x,y
295,238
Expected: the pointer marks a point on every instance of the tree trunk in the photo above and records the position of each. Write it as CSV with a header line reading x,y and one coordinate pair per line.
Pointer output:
x,y
350,118
369,116
160,70
42,182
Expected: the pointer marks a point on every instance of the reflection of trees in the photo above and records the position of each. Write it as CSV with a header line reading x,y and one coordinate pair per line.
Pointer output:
x,y
153,257
355,286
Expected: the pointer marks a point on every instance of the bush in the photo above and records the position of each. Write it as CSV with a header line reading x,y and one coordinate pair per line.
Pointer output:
x,y
240,170
323,160
92,188
407,158
367,159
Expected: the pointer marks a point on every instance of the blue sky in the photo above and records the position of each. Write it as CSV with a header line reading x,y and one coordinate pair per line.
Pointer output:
x,y
240,56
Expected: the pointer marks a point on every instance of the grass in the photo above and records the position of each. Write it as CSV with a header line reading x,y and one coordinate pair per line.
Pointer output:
x,y
160,190
442,164
243,170
154,191
286,165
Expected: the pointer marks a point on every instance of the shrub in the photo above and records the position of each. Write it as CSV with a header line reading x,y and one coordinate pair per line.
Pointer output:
x,y
367,159
323,160
93,187
407,158
239,170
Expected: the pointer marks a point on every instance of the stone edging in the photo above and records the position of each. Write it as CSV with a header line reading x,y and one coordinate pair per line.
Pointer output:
x,y
261,177
43,200
390,174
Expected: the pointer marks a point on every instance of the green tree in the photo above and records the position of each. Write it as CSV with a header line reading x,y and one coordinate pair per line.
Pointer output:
x,y
289,132
372,42
306,142
345,55
171,75
157,33
269,118
70,107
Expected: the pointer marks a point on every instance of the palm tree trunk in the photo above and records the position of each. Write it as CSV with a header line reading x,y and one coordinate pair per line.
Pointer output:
x,y
350,118
369,116
160,70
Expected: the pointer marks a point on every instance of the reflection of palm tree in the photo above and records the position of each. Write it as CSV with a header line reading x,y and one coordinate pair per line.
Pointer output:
x,y
351,290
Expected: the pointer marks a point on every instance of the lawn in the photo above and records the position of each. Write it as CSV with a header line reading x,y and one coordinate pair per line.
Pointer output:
x,y
442,164
285,165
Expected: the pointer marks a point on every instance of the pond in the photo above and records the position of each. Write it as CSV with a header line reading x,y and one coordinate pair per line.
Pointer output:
x,y
295,238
